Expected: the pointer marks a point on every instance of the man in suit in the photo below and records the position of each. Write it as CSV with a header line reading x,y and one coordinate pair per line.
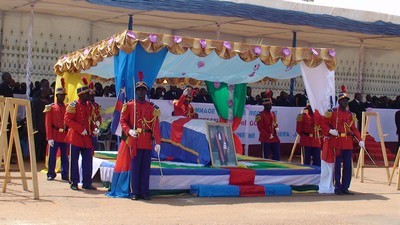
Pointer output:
x,y
356,106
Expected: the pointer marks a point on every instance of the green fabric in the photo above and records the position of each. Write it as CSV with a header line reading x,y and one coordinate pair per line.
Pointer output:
x,y
220,97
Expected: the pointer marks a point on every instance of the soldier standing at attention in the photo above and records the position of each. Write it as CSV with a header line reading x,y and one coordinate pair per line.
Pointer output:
x,y
340,127
79,136
56,132
310,137
267,125
140,123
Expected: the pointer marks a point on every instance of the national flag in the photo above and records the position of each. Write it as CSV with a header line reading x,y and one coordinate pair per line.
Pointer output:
x,y
115,124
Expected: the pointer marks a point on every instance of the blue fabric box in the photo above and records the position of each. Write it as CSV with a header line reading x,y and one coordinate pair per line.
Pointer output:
x,y
204,190
277,189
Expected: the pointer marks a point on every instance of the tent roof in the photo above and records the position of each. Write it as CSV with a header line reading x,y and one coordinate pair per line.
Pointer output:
x,y
152,42
254,19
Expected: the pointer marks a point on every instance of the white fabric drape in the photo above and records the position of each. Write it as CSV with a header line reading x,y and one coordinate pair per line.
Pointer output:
x,y
320,86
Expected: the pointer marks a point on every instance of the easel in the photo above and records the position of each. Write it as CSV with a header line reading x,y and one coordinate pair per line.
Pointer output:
x,y
396,164
10,109
364,125
294,149
3,139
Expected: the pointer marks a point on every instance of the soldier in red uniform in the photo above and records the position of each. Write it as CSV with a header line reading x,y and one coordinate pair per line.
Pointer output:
x,y
140,123
79,136
182,107
56,132
95,116
310,136
268,127
340,127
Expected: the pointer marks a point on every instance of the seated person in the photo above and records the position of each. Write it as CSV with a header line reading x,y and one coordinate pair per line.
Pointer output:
x,y
182,107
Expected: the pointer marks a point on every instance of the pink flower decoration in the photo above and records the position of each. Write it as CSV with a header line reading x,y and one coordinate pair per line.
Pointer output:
x,y
86,51
227,45
131,34
256,67
200,64
257,50
252,74
217,84
177,39
153,38
110,41
332,53
286,51
231,87
203,43
230,102
314,52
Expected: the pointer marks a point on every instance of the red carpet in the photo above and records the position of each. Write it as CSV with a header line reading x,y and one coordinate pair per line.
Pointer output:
x,y
374,149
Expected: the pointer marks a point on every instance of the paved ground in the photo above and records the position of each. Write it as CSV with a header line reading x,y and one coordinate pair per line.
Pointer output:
x,y
374,203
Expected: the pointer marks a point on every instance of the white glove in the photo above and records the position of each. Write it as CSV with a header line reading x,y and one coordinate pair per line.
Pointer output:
x,y
97,123
96,131
334,132
84,132
185,92
157,148
51,143
277,129
361,144
133,133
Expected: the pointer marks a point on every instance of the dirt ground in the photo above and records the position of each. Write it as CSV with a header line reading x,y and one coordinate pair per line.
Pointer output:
x,y
374,203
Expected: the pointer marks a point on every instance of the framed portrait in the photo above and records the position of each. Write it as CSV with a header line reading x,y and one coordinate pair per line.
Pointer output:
x,y
222,147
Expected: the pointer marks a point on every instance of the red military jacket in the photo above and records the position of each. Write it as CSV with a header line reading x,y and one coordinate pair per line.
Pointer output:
x,y
344,122
147,124
182,109
309,131
266,124
54,122
77,118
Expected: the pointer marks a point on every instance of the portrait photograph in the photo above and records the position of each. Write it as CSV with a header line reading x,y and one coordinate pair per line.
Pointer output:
x,y
222,147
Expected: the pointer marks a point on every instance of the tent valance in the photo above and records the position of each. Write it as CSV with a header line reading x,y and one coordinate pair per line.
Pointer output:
x,y
153,42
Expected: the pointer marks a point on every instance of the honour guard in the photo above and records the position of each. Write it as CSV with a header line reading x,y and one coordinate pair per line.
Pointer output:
x,y
182,107
56,132
95,116
310,136
267,125
340,127
140,123
79,136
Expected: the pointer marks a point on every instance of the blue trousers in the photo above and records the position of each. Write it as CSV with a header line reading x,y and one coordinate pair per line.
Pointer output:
x,y
87,165
314,153
343,178
53,158
275,147
140,172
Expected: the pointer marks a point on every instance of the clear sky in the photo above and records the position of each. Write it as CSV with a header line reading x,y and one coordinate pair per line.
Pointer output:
x,y
382,6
